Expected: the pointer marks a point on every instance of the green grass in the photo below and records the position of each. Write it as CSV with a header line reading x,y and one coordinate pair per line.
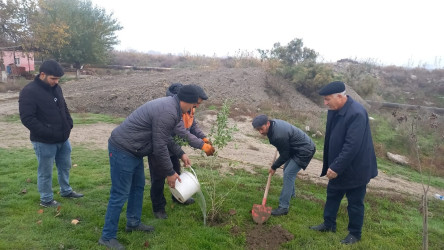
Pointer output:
x,y
407,173
10,118
78,118
390,221
90,118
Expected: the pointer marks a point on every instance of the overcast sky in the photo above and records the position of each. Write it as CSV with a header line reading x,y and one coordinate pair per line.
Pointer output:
x,y
388,32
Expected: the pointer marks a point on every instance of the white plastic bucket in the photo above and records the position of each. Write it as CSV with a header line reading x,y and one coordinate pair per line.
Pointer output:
x,y
185,189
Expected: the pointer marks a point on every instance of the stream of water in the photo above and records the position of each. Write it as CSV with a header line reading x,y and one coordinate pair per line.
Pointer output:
x,y
202,204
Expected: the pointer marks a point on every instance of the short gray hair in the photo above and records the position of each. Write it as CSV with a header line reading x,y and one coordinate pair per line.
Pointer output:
x,y
342,93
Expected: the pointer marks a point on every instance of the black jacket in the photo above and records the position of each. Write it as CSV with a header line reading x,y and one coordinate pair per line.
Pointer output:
x,y
291,142
44,112
348,147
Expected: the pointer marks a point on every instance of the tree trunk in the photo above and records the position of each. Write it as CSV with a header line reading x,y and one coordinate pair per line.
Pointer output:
x,y
425,233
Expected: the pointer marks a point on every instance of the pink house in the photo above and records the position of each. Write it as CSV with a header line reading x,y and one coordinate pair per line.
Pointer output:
x,y
18,58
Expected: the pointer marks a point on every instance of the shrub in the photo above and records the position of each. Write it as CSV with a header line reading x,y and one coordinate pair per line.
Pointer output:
x,y
221,134
309,78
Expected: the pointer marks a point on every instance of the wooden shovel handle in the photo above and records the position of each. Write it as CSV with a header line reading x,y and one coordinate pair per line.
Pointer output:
x,y
264,200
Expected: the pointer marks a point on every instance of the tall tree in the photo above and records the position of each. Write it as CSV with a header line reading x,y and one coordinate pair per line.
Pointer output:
x,y
75,31
14,22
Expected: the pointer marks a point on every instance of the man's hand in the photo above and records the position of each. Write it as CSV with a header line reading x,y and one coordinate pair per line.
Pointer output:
x,y
331,174
172,180
206,140
271,171
209,150
186,160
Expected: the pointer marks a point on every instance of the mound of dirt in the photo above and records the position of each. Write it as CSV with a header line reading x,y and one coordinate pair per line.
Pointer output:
x,y
248,88
263,237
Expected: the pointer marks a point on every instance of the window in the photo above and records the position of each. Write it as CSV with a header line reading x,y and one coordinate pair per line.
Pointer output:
x,y
17,61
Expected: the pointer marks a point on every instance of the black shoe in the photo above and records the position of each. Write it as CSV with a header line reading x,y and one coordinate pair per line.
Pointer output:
x,y
73,194
52,203
279,211
161,215
140,227
323,228
112,244
350,239
187,202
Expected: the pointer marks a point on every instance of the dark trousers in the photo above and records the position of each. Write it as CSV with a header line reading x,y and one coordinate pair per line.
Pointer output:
x,y
158,182
355,208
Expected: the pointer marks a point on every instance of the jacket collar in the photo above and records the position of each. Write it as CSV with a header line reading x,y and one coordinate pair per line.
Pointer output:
x,y
42,83
179,111
347,104
270,129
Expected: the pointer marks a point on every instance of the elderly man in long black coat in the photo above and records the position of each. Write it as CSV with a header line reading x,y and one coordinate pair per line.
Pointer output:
x,y
349,159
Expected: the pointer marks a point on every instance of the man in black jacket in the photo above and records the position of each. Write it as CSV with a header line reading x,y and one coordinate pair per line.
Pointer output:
x,y
44,112
295,151
349,160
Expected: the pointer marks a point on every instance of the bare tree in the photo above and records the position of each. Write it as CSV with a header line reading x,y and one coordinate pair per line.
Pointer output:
x,y
417,123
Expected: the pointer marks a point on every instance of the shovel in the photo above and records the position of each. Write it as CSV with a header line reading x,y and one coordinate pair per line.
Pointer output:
x,y
261,213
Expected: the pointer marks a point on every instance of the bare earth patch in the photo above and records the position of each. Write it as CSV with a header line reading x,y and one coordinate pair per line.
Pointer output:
x,y
247,149
265,237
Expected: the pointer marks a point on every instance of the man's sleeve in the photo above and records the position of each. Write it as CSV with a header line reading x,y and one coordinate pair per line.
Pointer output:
x,y
185,134
283,146
352,143
195,130
163,125
28,115
174,148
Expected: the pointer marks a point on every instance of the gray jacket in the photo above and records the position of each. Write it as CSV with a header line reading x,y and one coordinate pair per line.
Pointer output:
x,y
147,131
291,142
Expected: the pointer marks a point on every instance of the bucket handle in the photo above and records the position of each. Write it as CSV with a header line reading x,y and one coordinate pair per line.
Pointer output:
x,y
194,173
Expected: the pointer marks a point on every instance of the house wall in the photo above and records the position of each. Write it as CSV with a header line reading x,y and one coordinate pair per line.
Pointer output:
x,y
8,58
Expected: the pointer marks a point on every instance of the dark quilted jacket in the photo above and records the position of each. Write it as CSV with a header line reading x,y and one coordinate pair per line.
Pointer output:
x,y
44,112
291,142
147,131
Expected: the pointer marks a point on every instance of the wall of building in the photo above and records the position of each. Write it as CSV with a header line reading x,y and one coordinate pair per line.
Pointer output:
x,y
24,59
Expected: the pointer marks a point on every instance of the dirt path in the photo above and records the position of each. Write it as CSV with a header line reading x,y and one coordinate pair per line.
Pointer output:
x,y
247,149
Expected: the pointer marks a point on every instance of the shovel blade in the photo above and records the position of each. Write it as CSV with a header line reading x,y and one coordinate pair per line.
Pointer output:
x,y
260,213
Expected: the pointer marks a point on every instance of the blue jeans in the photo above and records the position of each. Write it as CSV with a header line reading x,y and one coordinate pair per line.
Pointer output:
x,y
127,184
355,208
291,170
46,155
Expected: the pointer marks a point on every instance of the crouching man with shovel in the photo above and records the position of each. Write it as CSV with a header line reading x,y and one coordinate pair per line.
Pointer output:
x,y
295,151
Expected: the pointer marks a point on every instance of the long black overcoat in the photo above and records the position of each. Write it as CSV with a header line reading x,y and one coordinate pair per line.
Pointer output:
x,y
348,147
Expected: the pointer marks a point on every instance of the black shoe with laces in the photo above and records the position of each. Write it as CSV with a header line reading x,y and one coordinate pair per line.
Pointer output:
x,y
112,244
187,202
350,239
141,227
73,194
52,203
323,228
279,211
161,215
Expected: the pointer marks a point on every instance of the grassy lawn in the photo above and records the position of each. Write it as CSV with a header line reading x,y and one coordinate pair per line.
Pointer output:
x,y
390,222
